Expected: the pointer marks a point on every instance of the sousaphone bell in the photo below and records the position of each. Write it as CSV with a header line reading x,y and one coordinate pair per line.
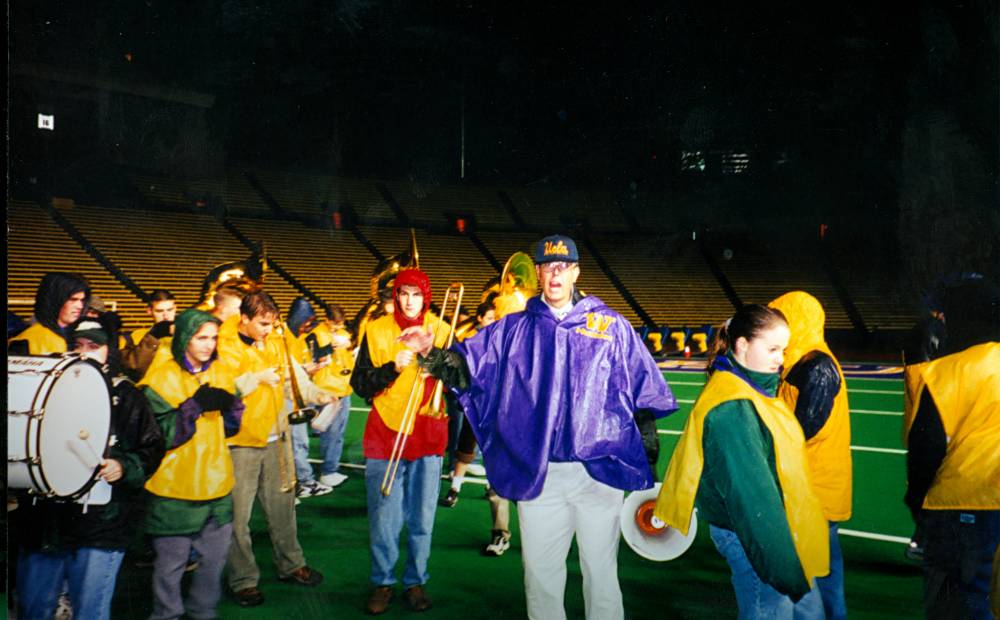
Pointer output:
x,y
648,536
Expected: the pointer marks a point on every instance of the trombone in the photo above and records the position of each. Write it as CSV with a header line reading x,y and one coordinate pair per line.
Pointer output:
x,y
455,292
300,415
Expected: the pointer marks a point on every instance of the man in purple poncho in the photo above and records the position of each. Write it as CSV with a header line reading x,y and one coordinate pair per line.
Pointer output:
x,y
563,399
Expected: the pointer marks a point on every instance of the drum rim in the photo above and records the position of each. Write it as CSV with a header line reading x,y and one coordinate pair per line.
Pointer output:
x,y
45,487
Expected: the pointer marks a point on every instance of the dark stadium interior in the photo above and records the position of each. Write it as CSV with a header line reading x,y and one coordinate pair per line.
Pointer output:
x,y
703,155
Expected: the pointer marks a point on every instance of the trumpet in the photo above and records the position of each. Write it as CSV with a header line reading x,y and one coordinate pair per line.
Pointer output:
x,y
455,292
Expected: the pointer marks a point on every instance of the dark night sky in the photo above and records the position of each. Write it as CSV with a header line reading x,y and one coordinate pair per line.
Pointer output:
x,y
560,93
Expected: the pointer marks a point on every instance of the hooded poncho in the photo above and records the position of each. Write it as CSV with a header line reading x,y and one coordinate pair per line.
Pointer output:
x,y
545,390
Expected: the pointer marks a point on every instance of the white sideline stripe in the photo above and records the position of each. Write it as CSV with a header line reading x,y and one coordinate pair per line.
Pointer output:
x,y
468,477
855,391
697,383
365,409
684,401
666,432
873,536
876,412
880,450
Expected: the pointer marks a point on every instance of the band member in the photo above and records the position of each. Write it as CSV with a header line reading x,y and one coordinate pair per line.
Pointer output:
x,y
386,373
60,541
59,301
465,453
742,460
814,388
257,357
329,349
562,398
952,427
190,507
302,319
139,347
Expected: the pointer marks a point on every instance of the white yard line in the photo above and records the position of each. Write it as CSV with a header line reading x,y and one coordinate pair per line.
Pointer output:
x,y
873,536
877,412
858,391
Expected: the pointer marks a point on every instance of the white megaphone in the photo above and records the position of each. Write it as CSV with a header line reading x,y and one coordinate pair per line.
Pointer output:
x,y
648,536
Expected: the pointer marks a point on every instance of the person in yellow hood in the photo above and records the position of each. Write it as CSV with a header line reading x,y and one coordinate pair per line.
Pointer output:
x,y
742,460
196,405
814,389
952,429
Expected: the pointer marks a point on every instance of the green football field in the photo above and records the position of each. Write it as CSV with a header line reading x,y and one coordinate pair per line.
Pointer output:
x,y
880,582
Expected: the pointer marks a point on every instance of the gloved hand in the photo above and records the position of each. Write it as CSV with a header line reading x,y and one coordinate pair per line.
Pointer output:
x,y
162,329
213,399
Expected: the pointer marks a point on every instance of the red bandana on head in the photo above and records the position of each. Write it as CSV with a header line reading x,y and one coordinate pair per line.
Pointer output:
x,y
411,277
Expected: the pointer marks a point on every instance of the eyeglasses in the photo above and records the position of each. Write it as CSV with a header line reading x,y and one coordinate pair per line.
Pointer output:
x,y
559,266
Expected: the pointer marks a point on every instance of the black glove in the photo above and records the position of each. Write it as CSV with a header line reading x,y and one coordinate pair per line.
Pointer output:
x,y
213,399
161,329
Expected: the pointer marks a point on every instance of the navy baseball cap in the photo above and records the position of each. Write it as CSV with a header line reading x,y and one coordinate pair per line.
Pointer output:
x,y
556,248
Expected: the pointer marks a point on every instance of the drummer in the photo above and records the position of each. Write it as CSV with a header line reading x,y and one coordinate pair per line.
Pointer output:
x,y
59,541
59,301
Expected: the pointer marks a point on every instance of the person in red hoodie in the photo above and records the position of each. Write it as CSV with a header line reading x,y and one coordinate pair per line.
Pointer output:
x,y
384,374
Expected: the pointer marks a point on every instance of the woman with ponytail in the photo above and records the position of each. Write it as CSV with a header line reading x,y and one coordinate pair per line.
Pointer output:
x,y
741,460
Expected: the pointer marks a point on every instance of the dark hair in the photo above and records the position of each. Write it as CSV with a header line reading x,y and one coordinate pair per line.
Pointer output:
x,y
258,303
748,322
483,309
160,294
335,313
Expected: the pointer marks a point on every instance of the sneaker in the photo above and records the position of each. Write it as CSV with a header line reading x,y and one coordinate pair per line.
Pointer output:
x,y
64,609
449,500
311,488
475,469
497,546
333,480
914,551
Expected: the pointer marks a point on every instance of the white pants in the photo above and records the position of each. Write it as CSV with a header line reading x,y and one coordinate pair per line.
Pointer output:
x,y
571,503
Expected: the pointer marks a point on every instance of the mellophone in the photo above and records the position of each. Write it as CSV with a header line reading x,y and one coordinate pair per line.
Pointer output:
x,y
58,426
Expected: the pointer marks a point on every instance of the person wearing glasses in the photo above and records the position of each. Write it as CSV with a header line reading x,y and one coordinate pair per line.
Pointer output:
x,y
562,398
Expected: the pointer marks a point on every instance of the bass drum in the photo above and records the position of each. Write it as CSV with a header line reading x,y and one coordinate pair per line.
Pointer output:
x,y
58,424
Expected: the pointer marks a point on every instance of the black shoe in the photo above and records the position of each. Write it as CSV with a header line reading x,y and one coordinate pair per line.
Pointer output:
x,y
417,599
303,576
249,597
449,500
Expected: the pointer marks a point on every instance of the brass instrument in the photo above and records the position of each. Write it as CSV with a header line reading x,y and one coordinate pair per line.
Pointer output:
x,y
244,275
382,277
302,412
409,417
518,283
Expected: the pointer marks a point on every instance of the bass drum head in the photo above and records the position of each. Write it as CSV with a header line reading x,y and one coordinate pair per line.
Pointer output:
x,y
78,403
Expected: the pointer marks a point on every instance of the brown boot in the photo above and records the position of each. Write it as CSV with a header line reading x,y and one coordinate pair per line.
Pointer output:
x,y
378,600
417,599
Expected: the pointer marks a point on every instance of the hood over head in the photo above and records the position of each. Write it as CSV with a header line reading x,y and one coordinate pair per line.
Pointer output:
x,y
186,325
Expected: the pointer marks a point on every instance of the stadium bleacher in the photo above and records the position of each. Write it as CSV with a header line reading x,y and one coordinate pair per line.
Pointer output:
x,y
164,242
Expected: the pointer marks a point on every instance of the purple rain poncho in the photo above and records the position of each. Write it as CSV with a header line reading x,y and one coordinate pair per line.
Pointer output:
x,y
541,390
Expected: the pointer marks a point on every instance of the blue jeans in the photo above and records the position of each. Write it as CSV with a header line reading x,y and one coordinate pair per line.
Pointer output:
x,y
756,599
831,587
958,557
331,442
91,574
413,500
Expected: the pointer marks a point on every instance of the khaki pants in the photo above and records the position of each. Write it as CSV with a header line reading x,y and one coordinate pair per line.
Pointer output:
x,y
257,472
